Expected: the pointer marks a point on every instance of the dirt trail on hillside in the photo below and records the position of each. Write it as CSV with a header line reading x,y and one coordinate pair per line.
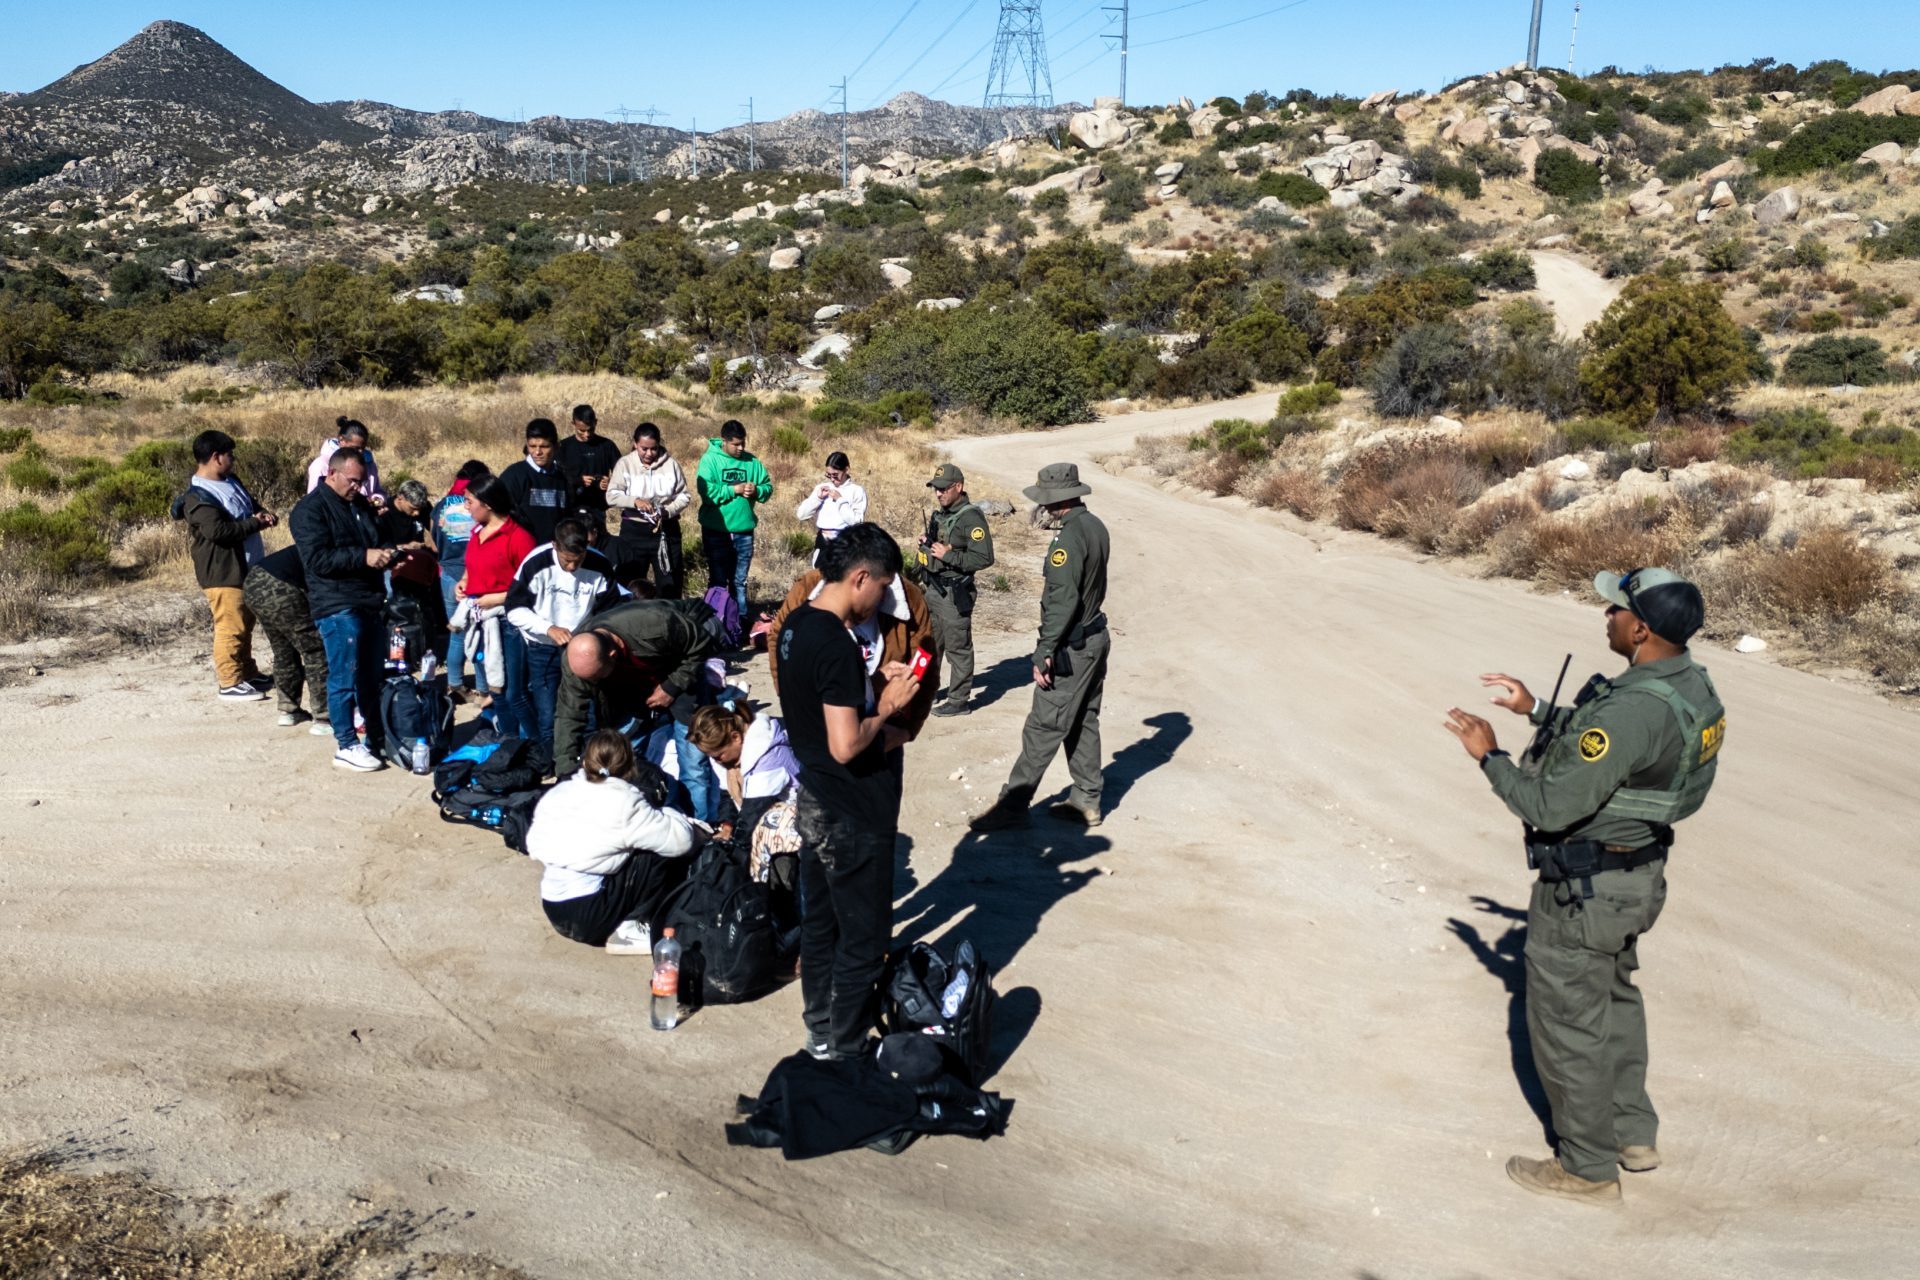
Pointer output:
x,y
1576,292
1258,1024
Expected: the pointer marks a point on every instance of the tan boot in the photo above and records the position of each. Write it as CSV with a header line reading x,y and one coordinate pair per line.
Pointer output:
x,y
1550,1178
1638,1159
1010,810
1068,811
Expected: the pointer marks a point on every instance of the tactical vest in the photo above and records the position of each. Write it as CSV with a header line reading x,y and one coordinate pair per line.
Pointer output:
x,y
1702,729
942,531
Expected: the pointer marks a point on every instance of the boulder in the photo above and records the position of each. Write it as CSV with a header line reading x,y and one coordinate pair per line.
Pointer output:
x,y
1749,644
831,344
1703,216
1170,171
1097,130
1576,469
1205,122
1384,98
1884,102
939,304
1085,178
262,207
1782,96
1272,204
1887,155
1007,155
180,271
371,205
206,195
1722,197
829,313
897,276
1648,201
1514,92
1407,111
664,216
1168,191
862,174
1734,168
783,259
1345,198
1185,104
1909,105
1778,206
1472,132
1553,241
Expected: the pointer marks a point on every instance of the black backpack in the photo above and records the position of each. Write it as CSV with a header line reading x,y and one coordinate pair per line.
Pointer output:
x,y
412,709
947,996
721,916
510,815
490,763
405,612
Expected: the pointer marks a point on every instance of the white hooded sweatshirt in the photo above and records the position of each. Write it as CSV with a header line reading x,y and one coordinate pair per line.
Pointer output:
x,y
585,829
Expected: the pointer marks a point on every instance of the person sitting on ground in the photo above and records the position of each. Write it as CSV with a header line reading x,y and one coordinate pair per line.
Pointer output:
x,y
541,491
494,554
452,527
642,667
345,563
556,588
611,856
650,491
276,592
901,625
348,434
750,757
588,458
834,504
224,524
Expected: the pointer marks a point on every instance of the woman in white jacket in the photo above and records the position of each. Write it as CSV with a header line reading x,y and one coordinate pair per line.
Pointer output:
x,y
649,490
611,857
835,504
750,758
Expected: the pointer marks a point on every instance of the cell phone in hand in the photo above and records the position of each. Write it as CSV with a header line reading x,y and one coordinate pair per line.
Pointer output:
x,y
922,663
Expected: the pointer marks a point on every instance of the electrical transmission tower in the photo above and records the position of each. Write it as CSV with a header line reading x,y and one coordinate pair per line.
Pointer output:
x,y
841,89
1019,58
1533,39
1121,9
752,163
626,115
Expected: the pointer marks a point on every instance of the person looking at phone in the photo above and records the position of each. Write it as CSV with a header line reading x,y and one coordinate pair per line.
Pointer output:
x,y
900,628
834,504
842,722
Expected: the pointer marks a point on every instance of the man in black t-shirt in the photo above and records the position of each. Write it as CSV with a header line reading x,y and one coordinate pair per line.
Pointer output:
x,y
839,706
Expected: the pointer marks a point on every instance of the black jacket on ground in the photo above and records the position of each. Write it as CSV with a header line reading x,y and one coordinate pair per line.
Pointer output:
x,y
334,535
540,498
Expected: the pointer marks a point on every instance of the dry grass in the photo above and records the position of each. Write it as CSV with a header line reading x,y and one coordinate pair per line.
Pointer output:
x,y
1291,489
1221,473
58,1222
1825,574
1410,493
1567,550
1474,529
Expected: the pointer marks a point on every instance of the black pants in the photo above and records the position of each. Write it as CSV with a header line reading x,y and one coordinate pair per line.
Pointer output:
x,y
635,892
646,550
846,882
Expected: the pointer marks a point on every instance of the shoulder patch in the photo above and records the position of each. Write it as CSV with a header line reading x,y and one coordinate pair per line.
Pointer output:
x,y
1593,745
979,533
1058,558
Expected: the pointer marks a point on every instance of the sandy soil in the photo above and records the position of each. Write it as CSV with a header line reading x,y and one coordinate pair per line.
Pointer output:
x,y
1259,1024
1576,292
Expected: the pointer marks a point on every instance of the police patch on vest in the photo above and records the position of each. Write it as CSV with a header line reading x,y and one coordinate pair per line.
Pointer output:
x,y
1710,739
1593,745
979,532
1058,558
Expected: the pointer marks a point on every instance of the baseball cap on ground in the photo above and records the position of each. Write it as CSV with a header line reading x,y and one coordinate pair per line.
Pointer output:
x,y
946,474
1057,482
1672,607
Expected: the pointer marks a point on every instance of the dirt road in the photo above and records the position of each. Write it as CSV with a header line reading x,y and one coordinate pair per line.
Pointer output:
x,y
1258,1025
1577,293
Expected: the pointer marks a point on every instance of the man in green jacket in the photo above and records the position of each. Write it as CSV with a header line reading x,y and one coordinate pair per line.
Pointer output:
x,y
635,664
957,545
1069,662
1599,791
731,482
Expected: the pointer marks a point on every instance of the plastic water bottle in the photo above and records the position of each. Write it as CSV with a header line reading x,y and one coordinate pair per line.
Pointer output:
x,y
397,648
666,982
420,764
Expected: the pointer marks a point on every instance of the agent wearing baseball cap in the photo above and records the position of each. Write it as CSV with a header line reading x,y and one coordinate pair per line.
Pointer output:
x,y
956,546
1069,663
1599,791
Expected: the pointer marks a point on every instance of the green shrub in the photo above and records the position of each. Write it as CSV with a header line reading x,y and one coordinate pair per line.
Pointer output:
x,y
1270,343
1123,194
799,542
792,440
13,439
1901,241
63,543
1502,268
1835,142
1679,110
1598,433
1836,361
1295,189
1682,165
1805,441
1177,132
1495,162
1663,347
1422,372
30,473
1308,397
1729,253
1563,174
1296,424
1457,177
1237,435
1053,200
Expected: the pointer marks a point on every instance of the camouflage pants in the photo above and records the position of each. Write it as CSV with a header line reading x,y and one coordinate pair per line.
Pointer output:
x,y
299,658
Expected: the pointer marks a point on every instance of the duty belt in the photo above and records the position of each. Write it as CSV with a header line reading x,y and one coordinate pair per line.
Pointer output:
x,y
1582,860
1078,637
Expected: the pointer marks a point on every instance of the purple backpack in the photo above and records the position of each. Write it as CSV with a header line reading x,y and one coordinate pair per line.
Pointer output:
x,y
727,612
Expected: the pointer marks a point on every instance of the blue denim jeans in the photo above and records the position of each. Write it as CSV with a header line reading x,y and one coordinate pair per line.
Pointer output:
x,y
353,673
543,684
456,654
516,716
729,556
702,792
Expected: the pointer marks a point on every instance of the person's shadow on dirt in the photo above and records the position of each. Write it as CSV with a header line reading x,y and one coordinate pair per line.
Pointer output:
x,y
1138,759
1000,679
1505,959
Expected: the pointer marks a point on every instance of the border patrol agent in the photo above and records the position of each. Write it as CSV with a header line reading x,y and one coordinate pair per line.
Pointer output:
x,y
1069,663
957,545
1599,791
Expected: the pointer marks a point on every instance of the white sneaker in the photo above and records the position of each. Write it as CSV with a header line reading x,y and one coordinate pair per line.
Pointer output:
x,y
320,729
632,938
242,692
358,758
288,719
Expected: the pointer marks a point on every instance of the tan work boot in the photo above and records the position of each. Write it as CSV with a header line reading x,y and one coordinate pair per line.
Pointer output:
x,y
1068,811
1638,1159
1010,810
1550,1178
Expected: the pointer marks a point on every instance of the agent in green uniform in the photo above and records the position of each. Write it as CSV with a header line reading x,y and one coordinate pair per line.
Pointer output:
x,y
1599,791
1069,663
957,545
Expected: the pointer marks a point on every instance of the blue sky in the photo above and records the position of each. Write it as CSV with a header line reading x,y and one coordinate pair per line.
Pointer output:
x,y
703,61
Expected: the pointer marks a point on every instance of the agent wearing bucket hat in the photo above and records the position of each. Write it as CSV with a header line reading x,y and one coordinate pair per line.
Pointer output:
x,y
1069,663
956,546
1599,791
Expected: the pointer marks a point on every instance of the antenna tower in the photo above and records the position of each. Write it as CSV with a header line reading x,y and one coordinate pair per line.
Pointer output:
x,y
1019,59
752,164
1573,42
841,89
1533,39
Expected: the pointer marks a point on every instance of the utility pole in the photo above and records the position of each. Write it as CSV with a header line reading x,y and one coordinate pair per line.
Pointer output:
x,y
1533,39
752,164
1574,42
841,88
1122,9
696,146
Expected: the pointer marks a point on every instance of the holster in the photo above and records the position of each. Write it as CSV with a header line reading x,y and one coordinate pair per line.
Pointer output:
x,y
1581,860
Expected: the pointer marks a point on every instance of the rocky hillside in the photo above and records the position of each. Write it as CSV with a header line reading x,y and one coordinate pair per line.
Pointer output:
x,y
172,106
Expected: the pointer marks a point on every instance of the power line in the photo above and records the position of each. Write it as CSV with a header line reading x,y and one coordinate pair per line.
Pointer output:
x,y
1020,44
883,40
937,41
1264,13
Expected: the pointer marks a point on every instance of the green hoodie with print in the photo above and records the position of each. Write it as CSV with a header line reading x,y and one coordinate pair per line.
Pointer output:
x,y
721,509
